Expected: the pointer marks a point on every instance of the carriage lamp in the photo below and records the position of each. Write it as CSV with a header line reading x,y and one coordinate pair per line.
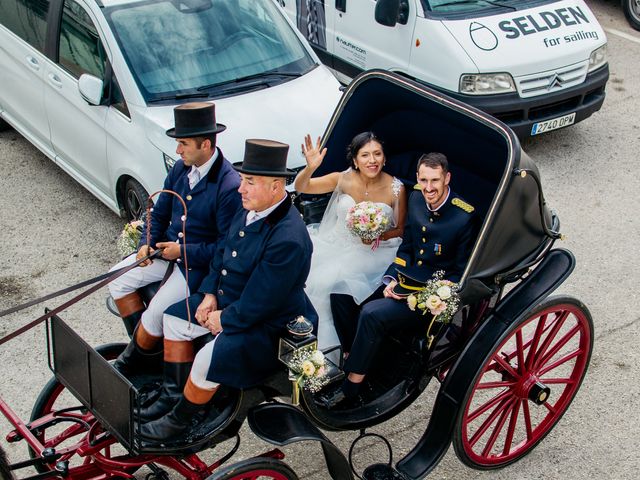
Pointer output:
x,y
299,337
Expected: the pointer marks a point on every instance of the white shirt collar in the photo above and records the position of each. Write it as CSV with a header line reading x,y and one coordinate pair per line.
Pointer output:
x,y
254,216
203,169
440,206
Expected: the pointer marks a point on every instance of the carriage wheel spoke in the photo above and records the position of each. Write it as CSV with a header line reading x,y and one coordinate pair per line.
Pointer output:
x,y
551,408
557,325
488,421
511,429
541,360
486,451
527,418
540,328
498,384
560,361
505,365
488,405
558,381
520,352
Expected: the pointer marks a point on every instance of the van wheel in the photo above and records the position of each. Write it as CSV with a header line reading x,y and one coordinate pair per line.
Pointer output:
x,y
135,199
4,125
631,10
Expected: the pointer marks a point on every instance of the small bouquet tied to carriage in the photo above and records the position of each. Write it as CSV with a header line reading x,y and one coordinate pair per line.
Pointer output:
x,y
308,367
129,238
439,297
367,221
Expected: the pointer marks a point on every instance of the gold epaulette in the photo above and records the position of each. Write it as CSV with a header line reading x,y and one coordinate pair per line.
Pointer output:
x,y
462,204
417,186
400,261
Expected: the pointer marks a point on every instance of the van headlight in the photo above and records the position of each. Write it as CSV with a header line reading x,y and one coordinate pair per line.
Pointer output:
x,y
598,58
169,162
486,83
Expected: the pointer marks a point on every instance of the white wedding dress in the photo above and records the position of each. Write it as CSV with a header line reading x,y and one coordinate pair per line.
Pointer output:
x,y
341,263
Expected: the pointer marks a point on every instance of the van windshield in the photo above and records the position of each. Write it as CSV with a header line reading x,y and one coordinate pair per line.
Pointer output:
x,y
206,48
468,6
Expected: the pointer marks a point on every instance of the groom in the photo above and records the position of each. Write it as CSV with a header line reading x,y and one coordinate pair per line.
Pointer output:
x,y
438,235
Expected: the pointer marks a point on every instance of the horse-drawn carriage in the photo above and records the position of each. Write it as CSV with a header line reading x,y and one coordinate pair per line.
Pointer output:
x,y
509,364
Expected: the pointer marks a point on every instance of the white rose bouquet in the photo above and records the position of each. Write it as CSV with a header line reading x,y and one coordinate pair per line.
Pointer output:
x,y
129,238
439,297
367,221
309,369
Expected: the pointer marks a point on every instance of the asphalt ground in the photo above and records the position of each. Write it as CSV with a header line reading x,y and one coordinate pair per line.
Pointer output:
x,y
54,234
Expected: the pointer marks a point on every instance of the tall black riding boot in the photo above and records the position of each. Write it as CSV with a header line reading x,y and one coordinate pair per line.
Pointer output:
x,y
191,404
142,355
178,358
131,308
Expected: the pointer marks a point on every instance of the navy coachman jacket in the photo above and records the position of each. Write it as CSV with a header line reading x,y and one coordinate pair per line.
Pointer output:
x,y
211,206
432,241
258,279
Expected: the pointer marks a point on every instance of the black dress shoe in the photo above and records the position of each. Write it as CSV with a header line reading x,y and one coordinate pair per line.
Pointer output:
x,y
337,400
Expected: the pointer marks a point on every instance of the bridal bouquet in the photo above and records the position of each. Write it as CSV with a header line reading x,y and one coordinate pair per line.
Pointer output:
x,y
439,297
367,221
129,238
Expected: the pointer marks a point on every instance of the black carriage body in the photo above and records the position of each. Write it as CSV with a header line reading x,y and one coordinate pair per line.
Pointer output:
x,y
485,161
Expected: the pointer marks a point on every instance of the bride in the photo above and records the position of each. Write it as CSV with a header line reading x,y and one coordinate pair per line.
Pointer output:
x,y
342,263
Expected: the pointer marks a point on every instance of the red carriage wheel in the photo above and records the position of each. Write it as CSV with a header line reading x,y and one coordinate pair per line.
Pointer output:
x,y
525,384
257,468
55,397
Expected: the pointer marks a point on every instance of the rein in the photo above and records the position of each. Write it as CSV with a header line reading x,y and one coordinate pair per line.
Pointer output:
x,y
103,279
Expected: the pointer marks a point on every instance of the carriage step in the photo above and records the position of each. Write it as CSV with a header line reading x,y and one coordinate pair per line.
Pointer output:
x,y
381,471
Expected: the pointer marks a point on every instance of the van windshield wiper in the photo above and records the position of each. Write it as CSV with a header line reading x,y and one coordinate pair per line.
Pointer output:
x,y
461,2
180,96
263,77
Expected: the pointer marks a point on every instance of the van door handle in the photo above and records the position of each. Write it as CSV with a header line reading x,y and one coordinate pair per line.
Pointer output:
x,y
33,63
55,80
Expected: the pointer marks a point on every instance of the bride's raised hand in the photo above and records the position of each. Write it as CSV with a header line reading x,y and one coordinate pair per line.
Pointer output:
x,y
313,154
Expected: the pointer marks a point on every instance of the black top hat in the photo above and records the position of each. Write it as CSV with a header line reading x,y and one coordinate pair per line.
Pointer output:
x,y
407,285
266,158
194,120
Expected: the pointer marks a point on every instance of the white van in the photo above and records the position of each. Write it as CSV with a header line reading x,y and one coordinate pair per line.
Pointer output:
x,y
93,83
537,65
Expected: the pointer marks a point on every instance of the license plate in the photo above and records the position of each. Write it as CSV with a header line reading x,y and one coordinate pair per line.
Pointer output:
x,y
553,124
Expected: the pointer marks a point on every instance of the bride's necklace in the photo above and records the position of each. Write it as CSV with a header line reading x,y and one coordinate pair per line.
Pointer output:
x,y
366,188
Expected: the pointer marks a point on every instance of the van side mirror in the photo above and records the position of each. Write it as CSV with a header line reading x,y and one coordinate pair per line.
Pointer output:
x,y
387,11
403,13
390,12
90,88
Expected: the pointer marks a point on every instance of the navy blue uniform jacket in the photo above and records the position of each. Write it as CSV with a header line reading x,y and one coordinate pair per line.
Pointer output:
x,y
211,206
258,279
432,241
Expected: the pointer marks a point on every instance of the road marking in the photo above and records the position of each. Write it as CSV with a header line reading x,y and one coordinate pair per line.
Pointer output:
x,y
624,35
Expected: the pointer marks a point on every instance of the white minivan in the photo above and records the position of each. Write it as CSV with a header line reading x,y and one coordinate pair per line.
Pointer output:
x,y
537,65
93,83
